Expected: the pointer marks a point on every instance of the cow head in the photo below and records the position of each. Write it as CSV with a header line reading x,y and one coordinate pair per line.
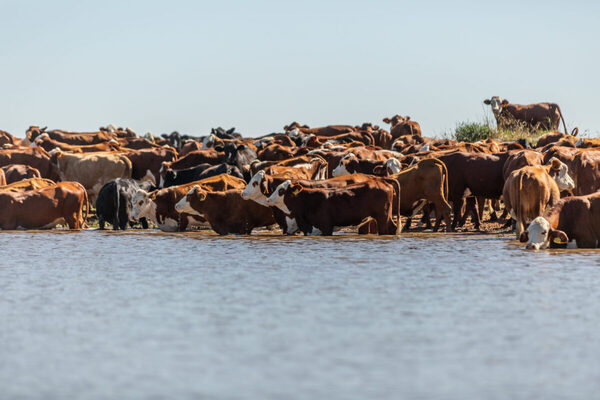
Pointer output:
x,y
343,166
195,195
497,103
393,166
294,125
560,172
396,120
143,205
539,235
34,131
257,189
277,199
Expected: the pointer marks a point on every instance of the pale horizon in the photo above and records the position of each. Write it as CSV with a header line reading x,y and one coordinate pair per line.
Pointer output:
x,y
190,66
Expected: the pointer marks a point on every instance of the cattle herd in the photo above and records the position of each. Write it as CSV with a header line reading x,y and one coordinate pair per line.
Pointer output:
x,y
308,180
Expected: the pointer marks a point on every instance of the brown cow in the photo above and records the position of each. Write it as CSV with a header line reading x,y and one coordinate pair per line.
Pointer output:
x,y
27,184
574,218
520,159
44,208
329,130
426,181
159,205
147,163
35,157
7,138
315,169
92,170
241,217
74,138
545,116
318,210
528,191
279,152
17,172
553,137
48,144
261,186
403,126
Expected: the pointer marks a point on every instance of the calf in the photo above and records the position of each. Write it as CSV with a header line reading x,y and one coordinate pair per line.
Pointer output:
x,y
318,211
574,218
114,202
226,212
44,208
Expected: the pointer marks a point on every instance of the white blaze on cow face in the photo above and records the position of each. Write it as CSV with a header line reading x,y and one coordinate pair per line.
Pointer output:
x,y
184,206
208,141
563,180
276,199
393,166
496,103
253,190
143,206
340,170
537,232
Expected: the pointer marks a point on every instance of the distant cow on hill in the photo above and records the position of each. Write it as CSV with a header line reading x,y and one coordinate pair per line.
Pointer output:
x,y
545,116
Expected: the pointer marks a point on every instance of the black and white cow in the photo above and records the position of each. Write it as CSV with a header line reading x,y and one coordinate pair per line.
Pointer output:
x,y
114,202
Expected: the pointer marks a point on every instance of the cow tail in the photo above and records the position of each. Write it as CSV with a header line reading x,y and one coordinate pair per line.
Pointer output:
x,y
399,227
562,119
517,209
87,207
129,166
445,177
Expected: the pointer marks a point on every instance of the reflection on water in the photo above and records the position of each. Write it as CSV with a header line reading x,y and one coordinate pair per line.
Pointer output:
x,y
129,315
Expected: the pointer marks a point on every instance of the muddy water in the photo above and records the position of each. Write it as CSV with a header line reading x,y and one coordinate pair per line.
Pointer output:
x,y
94,315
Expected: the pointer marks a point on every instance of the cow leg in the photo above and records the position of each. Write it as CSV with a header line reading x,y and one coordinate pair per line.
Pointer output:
x,y
481,202
470,208
426,219
144,223
407,223
456,210
101,222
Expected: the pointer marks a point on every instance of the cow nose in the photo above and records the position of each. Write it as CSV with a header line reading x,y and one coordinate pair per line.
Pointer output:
x,y
532,246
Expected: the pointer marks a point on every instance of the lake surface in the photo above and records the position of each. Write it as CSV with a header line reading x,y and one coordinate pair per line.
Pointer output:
x,y
103,315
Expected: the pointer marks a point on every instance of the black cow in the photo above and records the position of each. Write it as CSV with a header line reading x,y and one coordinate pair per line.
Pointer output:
x,y
202,171
114,202
239,155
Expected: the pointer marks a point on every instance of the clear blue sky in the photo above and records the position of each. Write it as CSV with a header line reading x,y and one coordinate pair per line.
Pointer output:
x,y
257,65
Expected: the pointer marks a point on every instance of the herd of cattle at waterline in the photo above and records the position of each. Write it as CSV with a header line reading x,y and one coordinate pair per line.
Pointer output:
x,y
309,180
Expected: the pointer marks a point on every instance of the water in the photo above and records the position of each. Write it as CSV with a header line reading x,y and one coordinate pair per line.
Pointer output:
x,y
94,315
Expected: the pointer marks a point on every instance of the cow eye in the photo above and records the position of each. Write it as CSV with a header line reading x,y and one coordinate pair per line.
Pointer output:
x,y
544,232
255,184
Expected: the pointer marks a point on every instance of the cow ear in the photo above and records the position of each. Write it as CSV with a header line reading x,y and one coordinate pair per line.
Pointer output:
x,y
218,148
504,102
487,101
524,237
407,118
378,170
555,163
558,237
241,147
296,189
386,120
